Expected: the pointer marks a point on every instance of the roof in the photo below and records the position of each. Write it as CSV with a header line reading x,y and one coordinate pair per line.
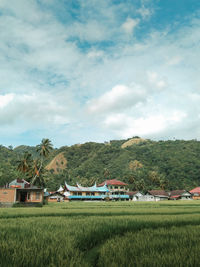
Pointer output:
x,y
112,182
177,192
19,183
195,190
55,194
80,188
60,189
175,196
158,193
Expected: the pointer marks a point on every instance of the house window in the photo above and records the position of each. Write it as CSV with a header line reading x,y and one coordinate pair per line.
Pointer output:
x,y
79,193
37,195
87,194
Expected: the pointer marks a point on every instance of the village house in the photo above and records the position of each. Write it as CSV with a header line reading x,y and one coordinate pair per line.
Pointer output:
x,y
136,196
195,193
84,193
20,191
180,194
117,189
156,195
152,195
56,197
108,190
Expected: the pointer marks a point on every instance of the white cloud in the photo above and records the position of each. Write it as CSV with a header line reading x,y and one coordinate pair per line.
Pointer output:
x,y
5,100
129,25
126,126
91,31
145,12
53,71
34,110
175,60
119,97
155,80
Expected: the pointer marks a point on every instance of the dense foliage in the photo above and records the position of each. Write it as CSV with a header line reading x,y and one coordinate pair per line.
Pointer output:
x,y
144,165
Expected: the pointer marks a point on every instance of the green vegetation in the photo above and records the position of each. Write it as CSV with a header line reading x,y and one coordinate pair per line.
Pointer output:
x,y
33,169
101,234
143,164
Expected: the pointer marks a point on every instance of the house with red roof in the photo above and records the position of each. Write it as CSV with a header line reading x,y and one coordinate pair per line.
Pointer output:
x,y
180,194
117,190
195,193
152,195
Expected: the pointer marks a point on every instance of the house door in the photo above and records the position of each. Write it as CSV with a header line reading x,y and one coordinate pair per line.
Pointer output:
x,y
23,196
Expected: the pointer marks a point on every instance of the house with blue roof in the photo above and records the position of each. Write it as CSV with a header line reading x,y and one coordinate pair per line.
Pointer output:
x,y
100,192
85,193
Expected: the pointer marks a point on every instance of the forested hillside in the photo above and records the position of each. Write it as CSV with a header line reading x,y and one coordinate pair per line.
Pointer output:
x,y
143,164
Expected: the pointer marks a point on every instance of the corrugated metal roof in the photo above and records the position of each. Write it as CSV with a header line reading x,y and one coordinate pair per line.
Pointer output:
x,y
158,193
80,188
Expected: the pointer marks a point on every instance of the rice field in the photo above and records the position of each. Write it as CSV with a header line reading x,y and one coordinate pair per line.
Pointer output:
x,y
101,234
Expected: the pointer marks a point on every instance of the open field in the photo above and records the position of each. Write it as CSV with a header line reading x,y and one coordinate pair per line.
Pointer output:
x,y
101,234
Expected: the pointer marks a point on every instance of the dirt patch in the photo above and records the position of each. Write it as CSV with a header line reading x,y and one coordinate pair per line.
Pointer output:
x,y
133,141
57,163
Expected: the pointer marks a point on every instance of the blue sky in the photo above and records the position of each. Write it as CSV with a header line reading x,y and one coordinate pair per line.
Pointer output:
x,y
78,71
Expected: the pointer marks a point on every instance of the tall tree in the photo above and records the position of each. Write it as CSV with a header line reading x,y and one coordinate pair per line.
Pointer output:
x,y
44,149
24,164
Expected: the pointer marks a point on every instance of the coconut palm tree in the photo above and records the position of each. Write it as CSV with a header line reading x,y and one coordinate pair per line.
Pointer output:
x,y
24,164
44,149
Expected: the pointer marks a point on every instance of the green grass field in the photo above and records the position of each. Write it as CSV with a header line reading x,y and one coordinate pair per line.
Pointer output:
x,y
101,234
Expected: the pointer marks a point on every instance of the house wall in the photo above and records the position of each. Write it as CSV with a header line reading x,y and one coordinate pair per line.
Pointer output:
x,y
7,195
196,197
186,198
55,198
116,188
33,196
138,197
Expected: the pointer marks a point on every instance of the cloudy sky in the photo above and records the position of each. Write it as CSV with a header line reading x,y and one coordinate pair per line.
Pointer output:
x,y
95,70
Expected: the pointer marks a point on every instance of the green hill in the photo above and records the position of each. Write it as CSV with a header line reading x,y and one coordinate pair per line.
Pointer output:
x,y
143,164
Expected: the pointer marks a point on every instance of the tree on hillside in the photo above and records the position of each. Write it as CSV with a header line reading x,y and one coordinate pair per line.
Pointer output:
x,y
44,149
106,173
34,168
24,164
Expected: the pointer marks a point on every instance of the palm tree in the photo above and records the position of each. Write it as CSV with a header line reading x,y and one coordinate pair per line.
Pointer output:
x,y
25,163
37,173
44,150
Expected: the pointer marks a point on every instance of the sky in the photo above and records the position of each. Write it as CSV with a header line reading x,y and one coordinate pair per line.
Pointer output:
x,y
89,70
